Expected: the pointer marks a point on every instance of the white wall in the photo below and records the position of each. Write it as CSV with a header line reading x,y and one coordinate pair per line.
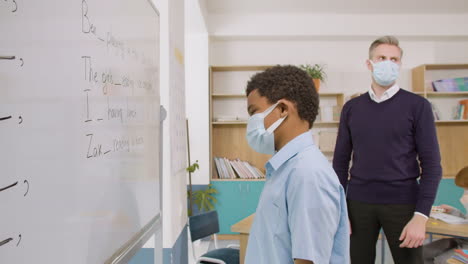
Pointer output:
x,y
171,80
340,41
175,192
344,58
326,25
197,81
156,241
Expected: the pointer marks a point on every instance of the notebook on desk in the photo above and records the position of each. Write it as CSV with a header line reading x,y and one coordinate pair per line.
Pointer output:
x,y
450,219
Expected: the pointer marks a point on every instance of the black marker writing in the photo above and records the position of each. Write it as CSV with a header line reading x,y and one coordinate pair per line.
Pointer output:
x,y
17,244
5,241
14,7
27,190
86,25
113,113
8,187
90,75
5,118
121,144
94,151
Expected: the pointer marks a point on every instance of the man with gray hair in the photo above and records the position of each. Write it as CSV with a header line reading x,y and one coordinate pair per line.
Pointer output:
x,y
390,135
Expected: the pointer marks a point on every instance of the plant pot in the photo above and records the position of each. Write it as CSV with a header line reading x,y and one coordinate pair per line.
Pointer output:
x,y
316,84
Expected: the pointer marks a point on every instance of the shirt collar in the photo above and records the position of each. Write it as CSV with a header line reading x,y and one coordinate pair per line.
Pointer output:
x,y
389,93
293,147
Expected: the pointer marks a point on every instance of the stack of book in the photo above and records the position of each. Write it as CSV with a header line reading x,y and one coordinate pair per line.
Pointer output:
x,y
460,257
236,169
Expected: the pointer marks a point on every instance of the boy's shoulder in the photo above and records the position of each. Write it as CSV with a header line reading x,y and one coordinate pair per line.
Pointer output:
x,y
311,164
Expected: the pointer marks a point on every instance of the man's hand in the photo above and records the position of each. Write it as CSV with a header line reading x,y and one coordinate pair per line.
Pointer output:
x,y
414,233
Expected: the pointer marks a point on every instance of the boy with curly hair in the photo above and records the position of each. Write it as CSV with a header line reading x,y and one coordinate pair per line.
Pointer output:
x,y
301,216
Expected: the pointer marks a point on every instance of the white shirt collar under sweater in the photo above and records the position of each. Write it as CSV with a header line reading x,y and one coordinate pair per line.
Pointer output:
x,y
389,93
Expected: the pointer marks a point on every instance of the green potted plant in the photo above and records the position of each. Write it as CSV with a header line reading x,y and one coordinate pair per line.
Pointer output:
x,y
316,72
203,199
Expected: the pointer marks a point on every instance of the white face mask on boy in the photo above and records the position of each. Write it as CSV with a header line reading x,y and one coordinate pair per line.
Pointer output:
x,y
260,139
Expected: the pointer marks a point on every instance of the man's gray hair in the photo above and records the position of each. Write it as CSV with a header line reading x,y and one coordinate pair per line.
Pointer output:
x,y
390,40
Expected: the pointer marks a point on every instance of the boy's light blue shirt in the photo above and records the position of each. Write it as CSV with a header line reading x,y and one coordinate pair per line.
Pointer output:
x,y
302,211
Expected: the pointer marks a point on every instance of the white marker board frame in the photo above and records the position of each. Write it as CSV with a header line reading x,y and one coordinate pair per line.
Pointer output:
x,y
79,142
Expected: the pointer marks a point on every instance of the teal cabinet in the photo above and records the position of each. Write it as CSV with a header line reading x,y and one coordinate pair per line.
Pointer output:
x,y
449,193
236,201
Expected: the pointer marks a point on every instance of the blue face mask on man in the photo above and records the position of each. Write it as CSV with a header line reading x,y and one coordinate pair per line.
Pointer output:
x,y
385,72
260,139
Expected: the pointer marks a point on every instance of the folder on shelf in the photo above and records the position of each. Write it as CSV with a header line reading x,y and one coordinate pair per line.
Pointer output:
x,y
451,85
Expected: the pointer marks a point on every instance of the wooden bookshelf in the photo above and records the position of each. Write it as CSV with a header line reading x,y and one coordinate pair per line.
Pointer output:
x,y
227,128
421,74
227,137
452,134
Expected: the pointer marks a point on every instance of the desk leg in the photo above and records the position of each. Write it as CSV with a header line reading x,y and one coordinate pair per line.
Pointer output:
x,y
244,238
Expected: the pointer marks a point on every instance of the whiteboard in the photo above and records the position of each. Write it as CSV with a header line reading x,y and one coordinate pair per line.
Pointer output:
x,y
79,128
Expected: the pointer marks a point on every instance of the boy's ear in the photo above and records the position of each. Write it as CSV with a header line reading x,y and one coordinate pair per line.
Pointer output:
x,y
285,107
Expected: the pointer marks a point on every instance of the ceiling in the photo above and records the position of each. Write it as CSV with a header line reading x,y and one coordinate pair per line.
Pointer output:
x,y
240,7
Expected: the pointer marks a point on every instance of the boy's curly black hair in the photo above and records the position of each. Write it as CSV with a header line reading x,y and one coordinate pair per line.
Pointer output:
x,y
287,82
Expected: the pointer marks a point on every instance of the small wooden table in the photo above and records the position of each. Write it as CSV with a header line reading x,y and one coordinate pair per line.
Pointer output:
x,y
433,227
243,228
437,227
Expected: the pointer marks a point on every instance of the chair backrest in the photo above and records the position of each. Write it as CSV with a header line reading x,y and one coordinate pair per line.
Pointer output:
x,y
203,225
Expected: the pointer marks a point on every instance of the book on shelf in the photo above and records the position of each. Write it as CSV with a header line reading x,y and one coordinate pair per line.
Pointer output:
x,y
218,168
250,171
461,111
451,85
245,171
232,174
436,111
464,106
236,169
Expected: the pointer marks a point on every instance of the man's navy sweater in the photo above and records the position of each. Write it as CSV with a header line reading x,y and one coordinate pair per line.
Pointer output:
x,y
389,143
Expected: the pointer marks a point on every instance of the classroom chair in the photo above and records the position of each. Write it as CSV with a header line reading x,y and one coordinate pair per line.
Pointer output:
x,y
206,224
